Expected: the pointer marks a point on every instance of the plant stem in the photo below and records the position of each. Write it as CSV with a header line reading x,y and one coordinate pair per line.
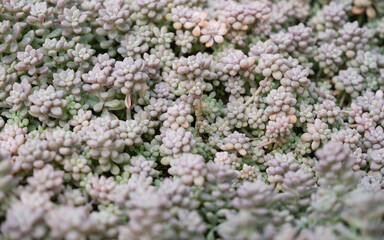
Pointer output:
x,y
342,99
255,94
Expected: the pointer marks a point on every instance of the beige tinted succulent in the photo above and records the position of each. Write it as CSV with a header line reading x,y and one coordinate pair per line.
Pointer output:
x,y
213,32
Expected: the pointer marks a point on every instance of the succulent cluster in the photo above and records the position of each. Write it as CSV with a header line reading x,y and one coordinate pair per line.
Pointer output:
x,y
201,119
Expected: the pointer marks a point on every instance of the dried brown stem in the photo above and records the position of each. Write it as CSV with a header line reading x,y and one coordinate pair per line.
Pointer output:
x,y
255,94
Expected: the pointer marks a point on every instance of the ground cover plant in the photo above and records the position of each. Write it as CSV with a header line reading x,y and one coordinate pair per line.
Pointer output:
x,y
191,119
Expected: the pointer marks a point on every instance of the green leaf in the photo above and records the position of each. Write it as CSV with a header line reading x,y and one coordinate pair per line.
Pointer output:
x,y
55,33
